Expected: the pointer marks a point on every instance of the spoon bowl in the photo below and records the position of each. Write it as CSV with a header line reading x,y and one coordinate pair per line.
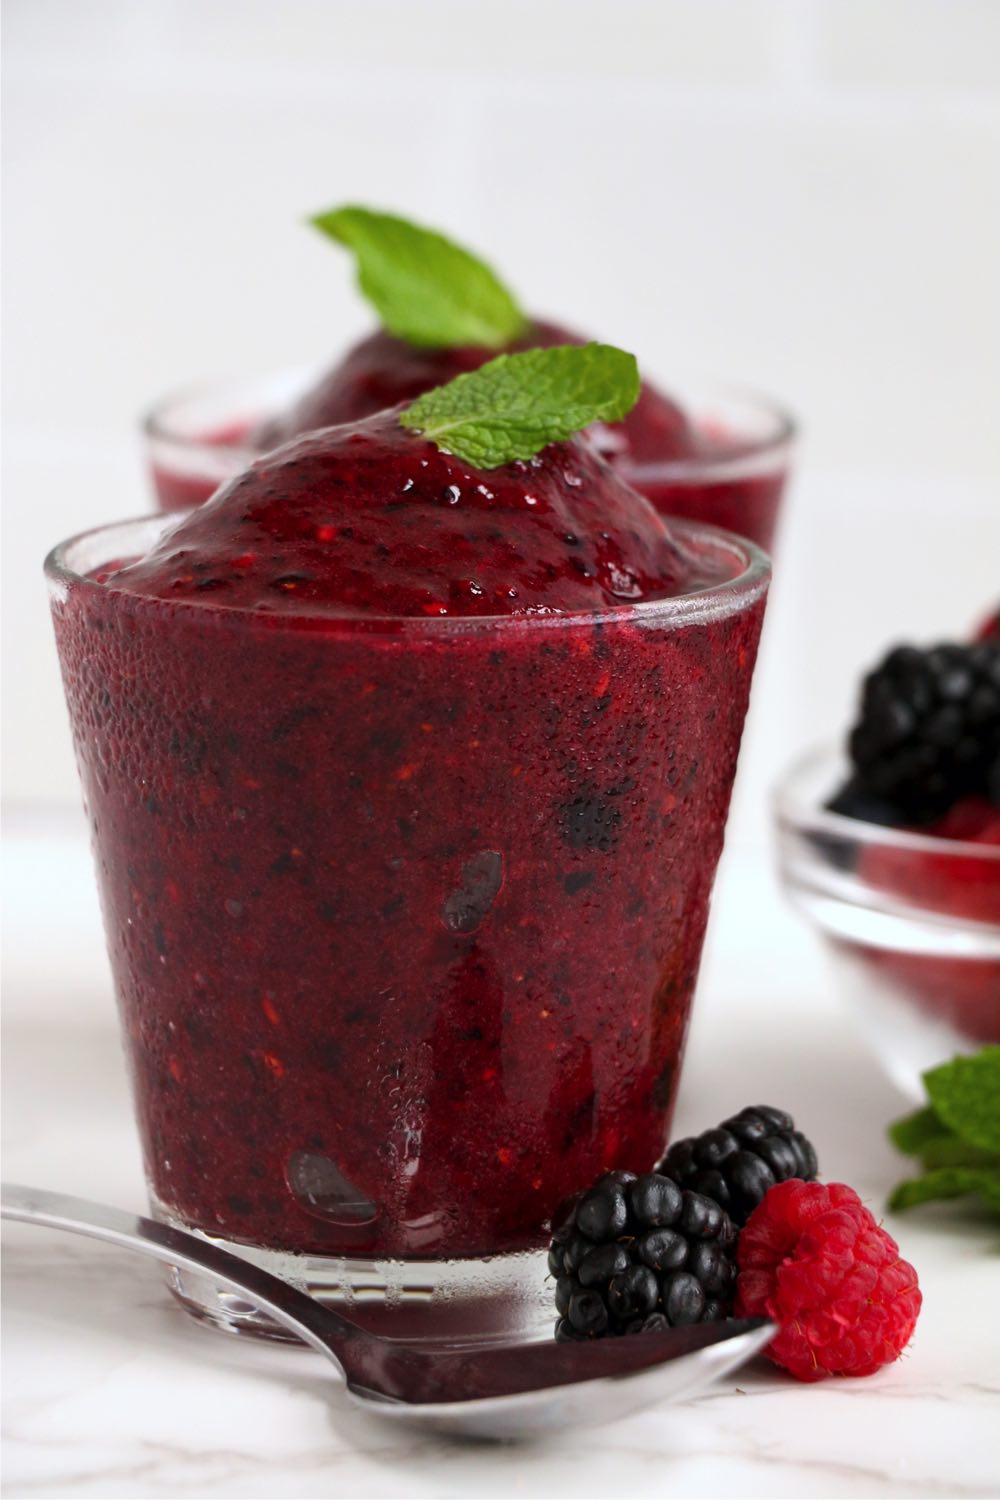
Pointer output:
x,y
507,1391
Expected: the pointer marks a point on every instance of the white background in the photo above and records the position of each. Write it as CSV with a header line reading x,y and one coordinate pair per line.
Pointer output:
x,y
799,194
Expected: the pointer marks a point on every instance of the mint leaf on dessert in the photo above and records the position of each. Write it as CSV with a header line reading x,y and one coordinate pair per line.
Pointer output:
x,y
425,288
965,1094
517,404
948,1182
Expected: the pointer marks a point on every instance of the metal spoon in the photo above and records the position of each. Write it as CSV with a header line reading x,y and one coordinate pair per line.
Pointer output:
x,y
506,1391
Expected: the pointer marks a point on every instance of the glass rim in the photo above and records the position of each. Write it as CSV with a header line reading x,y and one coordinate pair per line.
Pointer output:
x,y
715,601
749,457
799,812
155,420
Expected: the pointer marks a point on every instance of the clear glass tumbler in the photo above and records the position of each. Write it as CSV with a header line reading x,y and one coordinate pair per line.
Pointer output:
x,y
404,914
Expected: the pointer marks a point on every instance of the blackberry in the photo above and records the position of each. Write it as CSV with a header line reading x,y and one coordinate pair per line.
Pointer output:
x,y
737,1163
639,1254
928,732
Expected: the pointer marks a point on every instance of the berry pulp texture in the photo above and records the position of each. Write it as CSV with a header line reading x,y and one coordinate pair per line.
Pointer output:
x,y
373,520
405,912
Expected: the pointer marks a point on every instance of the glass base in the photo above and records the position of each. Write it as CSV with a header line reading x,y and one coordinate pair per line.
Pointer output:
x,y
452,1303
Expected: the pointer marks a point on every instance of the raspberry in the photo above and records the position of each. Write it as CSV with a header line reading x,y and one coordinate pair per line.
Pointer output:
x,y
813,1258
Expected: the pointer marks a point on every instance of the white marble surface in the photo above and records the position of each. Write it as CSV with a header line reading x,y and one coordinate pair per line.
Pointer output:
x,y
111,1391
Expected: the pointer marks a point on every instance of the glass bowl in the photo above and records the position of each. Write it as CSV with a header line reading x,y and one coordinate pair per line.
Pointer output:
x,y
911,922
360,871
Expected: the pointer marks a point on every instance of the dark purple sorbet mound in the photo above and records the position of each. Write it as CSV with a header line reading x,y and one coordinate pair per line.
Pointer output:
x,y
374,518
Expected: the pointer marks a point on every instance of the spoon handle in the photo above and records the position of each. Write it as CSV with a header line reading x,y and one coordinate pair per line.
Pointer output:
x,y
301,1314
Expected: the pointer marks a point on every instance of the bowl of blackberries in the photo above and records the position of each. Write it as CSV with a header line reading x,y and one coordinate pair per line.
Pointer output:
x,y
891,847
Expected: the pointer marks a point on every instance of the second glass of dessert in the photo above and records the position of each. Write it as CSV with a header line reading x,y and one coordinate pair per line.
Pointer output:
x,y
408,779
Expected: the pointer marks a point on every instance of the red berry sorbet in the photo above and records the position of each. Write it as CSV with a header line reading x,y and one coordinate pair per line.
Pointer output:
x,y
408,783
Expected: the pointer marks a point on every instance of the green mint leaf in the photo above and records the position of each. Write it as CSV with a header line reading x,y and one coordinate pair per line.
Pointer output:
x,y
912,1132
951,1151
989,1190
425,288
965,1094
948,1182
518,403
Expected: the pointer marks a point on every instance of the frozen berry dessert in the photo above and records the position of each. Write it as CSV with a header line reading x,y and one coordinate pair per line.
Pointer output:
x,y
408,779
925,754
372,519
445,313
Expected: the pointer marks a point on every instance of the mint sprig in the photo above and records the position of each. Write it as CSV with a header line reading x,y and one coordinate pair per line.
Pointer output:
x,y
956,1137
516,404
948,1182
965,1094
425,288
